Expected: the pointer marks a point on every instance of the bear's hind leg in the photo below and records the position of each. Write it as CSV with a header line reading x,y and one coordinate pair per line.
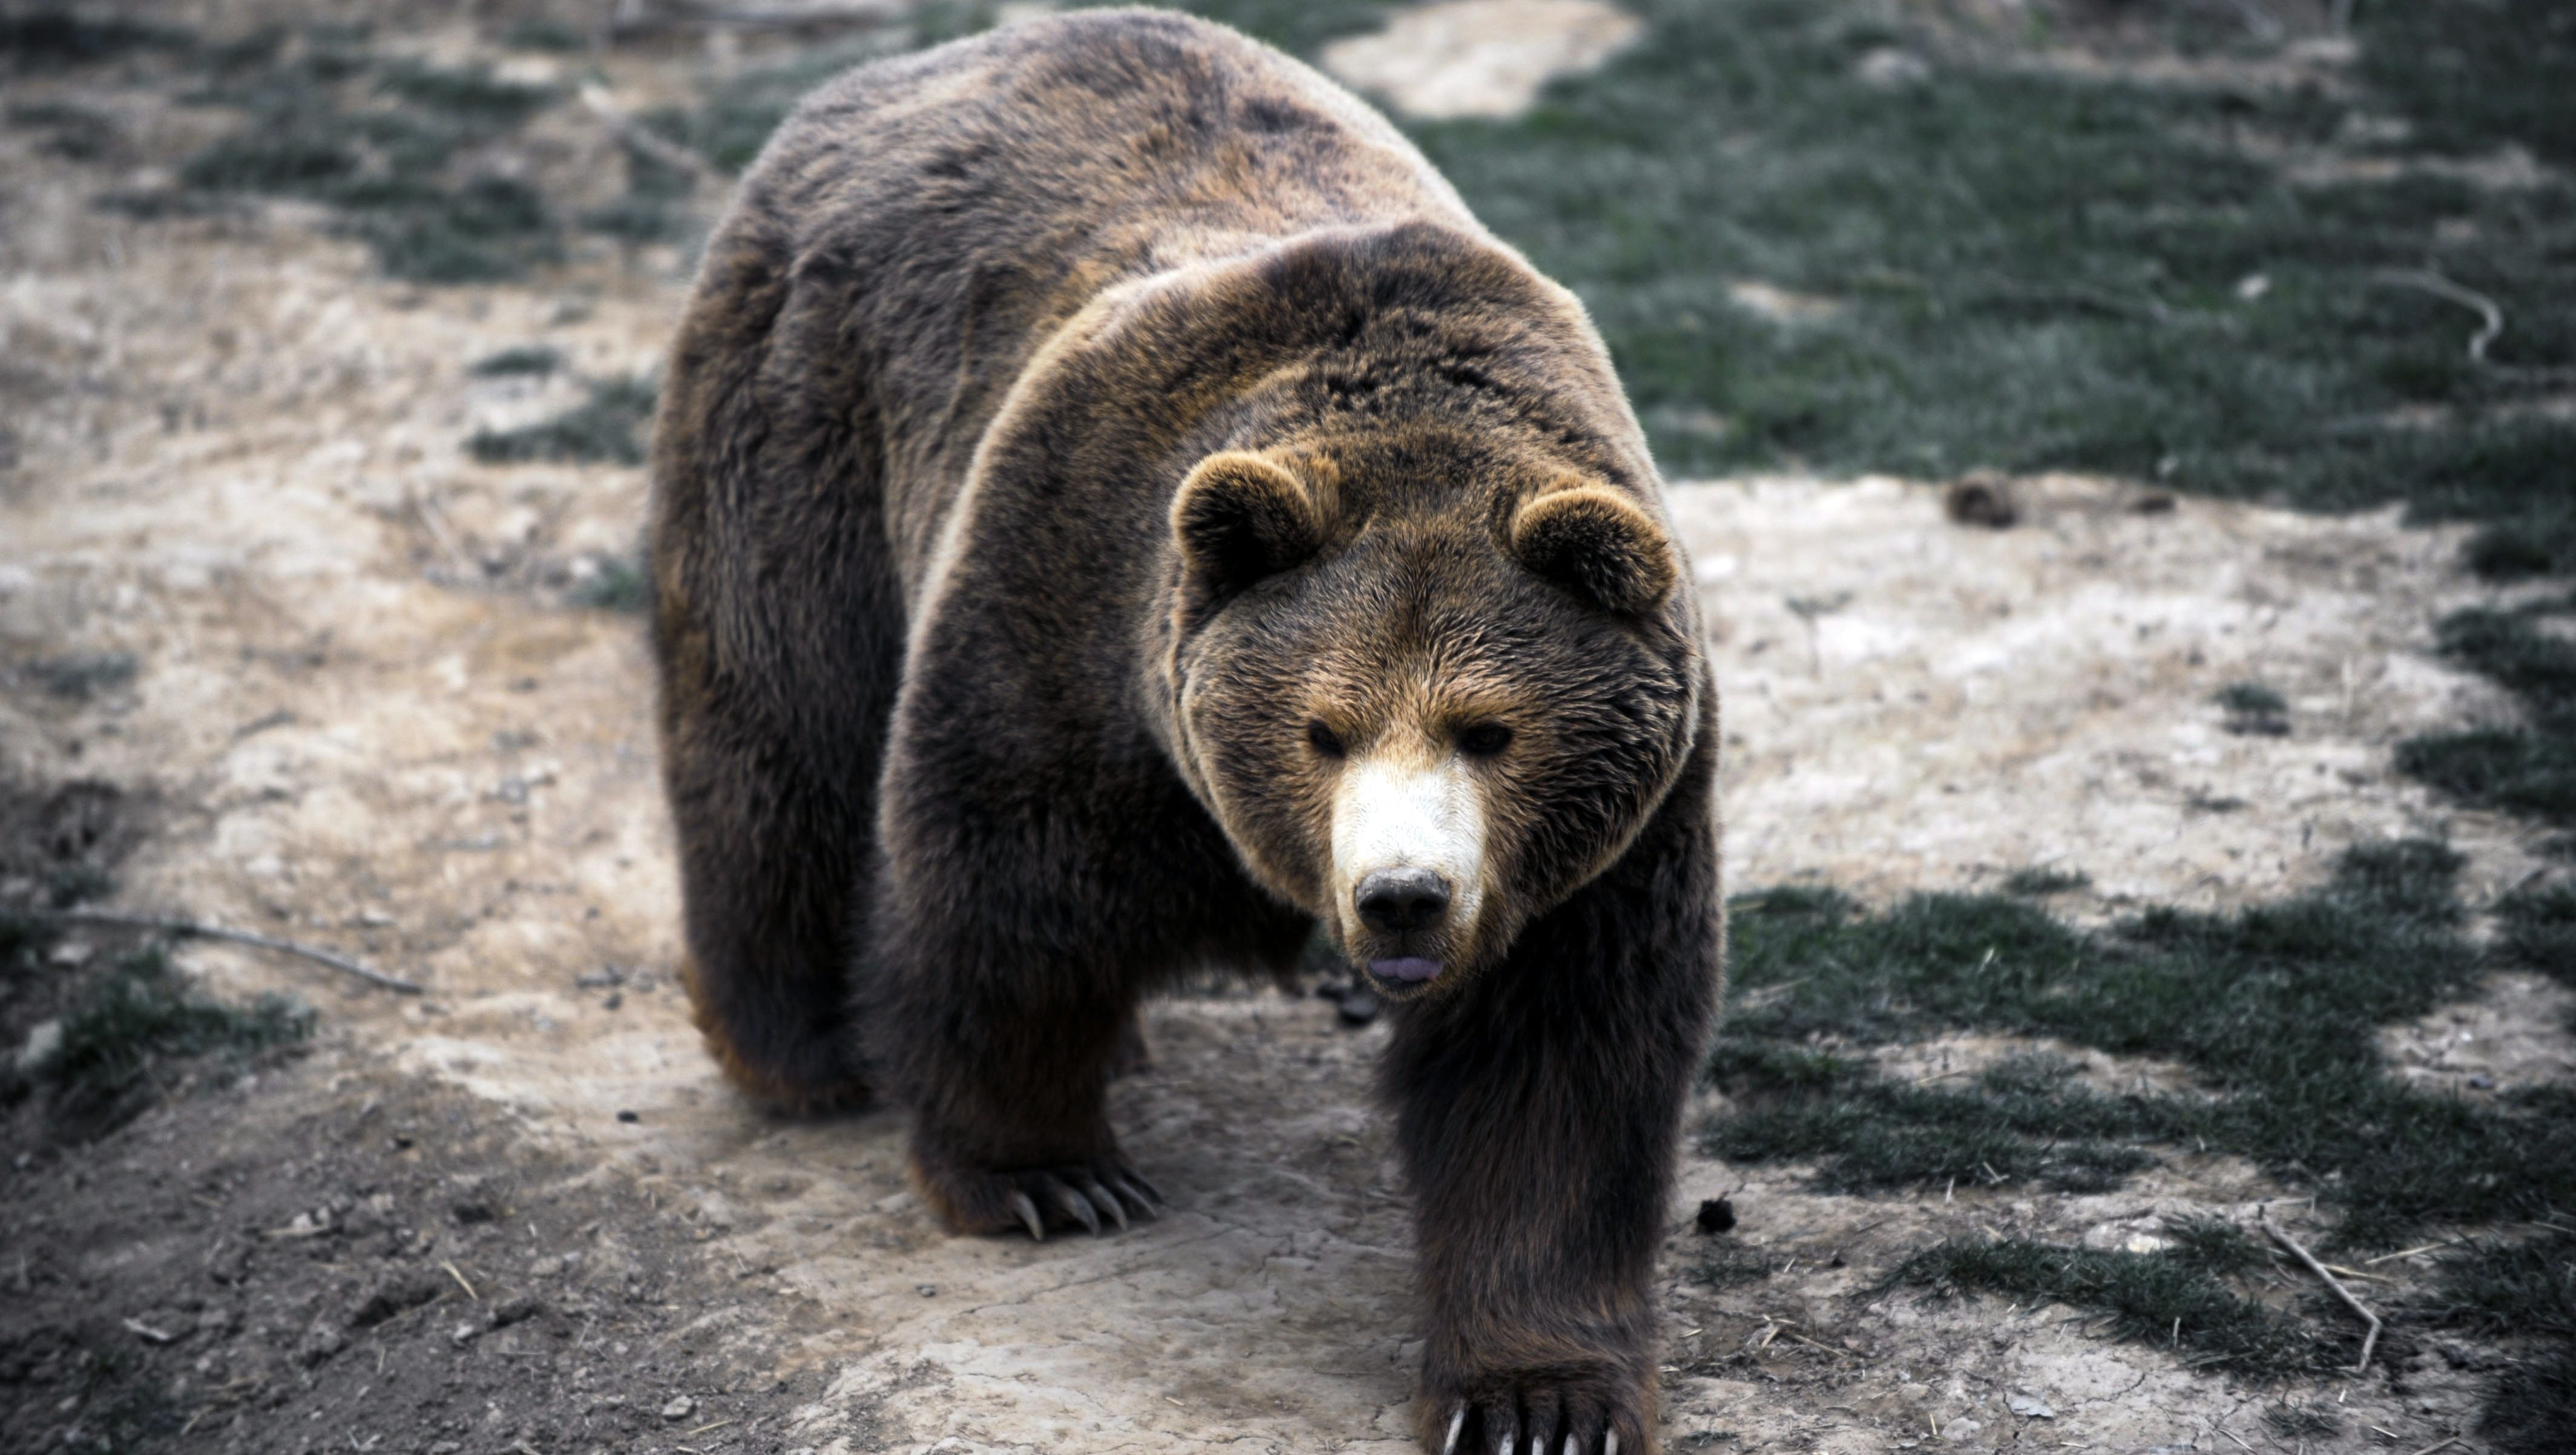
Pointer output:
x,y
769,867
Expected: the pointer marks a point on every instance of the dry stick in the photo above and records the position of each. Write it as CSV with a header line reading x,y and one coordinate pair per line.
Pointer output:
x,y
643,138
2424,280
2369,1341
190,929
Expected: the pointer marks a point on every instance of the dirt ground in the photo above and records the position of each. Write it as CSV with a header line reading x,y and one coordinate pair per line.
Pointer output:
x,y
519,1212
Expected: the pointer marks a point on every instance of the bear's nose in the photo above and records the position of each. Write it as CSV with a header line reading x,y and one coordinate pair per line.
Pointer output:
x,y
1396,900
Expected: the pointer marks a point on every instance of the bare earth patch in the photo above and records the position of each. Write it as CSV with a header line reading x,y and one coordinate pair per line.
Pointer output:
x,y
1479,57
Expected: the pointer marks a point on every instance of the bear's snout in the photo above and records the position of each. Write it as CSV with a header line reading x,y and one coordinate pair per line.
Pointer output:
x,y
1393,901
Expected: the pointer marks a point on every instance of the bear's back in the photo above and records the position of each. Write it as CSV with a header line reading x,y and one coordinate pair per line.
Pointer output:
x,y
925,223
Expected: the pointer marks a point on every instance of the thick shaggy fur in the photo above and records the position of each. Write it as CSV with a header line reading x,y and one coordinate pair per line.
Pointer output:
x,y
1085,444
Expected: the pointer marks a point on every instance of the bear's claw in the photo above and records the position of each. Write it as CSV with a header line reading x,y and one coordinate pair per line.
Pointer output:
x,y
1077,1197
1586,1432
1028,1212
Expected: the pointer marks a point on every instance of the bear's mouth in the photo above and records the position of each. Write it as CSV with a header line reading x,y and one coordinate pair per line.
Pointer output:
x,y
1405,970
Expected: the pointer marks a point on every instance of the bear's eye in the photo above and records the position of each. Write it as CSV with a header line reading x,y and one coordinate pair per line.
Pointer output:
x,y
1484,740
1324,740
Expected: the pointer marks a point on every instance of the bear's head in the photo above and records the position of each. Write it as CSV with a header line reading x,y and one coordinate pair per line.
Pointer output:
x,y
1428,688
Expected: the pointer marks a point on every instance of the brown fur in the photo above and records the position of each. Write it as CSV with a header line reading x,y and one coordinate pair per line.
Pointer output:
x,y
1082,437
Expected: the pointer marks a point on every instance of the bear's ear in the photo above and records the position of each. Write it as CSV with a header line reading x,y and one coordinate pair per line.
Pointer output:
x,y
1597,543
1240,518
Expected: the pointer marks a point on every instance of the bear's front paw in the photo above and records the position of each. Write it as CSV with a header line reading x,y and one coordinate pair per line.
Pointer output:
x,y
1075,1195
1540,1412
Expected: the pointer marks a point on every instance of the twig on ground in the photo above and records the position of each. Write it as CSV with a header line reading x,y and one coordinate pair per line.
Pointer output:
x,y
2438,1444
452,1272
2425,280
2411,1252
643,138
2369,1341
190,929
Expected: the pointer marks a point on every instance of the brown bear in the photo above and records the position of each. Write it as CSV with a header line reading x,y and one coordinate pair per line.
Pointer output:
x,y
1115,510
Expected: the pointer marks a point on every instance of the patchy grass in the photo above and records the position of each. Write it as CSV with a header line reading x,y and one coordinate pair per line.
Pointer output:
x,y
2037,269
601,428
2039,883
2528,769
80,133
80,676
2254,709
2274,1010
654,207
46,39
2533,1406
513,362
2521,1291
2176,1298
615,583
382,143
729,127
120,1041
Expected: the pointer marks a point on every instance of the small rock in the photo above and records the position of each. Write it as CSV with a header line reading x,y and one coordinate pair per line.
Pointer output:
x,y
320,1343
464,1334
1984,499
628,1116
2029,1406
1958,1430
1891,69
549,1266
1716,1215
679,1407
44,1040
926,1290
512,1309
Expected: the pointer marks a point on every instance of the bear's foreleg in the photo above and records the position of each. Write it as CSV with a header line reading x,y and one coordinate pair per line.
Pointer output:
x,y
1006,1068
1538,1110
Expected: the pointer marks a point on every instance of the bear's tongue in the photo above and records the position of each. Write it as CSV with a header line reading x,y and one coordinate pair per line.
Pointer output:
x,y
1411,967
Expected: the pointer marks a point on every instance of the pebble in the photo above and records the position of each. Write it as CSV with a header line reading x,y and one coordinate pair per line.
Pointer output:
x,y
679,1407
